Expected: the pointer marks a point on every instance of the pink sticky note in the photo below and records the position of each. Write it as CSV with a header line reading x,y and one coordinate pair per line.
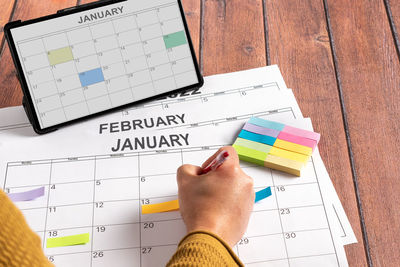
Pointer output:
x,y
302,133
297,140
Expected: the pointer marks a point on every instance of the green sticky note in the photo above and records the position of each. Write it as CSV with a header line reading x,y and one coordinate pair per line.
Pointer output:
x,y
175,39
250,155
253,145
61,55
65,241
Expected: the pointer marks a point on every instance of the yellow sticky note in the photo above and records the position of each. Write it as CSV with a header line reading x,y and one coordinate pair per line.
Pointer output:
x,y
160,207
282,164
65,241
289,155
293,147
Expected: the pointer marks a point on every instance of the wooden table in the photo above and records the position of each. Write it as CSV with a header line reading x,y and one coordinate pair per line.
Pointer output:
x,y
342,60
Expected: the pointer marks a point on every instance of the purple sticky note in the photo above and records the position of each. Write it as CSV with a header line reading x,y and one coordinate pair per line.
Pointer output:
x,y
260,130
27,195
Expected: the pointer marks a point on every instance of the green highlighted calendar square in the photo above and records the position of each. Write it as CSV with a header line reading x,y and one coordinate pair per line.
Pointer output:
x,y
175,39
61,55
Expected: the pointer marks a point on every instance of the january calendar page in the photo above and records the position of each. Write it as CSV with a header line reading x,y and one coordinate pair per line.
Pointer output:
x,y
91,61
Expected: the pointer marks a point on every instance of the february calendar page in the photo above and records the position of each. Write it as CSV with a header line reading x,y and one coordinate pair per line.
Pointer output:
x,y
91,61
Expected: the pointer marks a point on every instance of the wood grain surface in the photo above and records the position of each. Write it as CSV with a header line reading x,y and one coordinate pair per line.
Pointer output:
x,y
341,58
369,79
303,53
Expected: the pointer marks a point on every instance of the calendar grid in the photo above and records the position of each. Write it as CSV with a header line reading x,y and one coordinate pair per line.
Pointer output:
x,y
88,69
181,155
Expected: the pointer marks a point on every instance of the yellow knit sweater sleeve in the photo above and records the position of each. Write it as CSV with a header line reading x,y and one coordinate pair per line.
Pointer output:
x,y
202,248
19,245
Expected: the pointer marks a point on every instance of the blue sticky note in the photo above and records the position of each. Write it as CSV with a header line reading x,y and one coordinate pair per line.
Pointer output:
x,y
267,124
265,139
91,77
262,194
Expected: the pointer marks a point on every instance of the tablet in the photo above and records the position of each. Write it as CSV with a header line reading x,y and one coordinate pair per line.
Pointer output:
x,y
88,60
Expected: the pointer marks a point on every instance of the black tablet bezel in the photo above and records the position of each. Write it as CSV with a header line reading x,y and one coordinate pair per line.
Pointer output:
x,y
29,103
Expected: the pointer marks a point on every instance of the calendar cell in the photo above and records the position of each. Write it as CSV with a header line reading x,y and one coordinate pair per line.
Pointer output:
x,y
36,62
129,37
150,32
169,12
147,18
261,176
298,195
113,70
143,91
95,90
121,98
120,258
56,41
262,248
45,89
154,45
298,219
157,255
76,110
140,77
136,64
84,49
264,223
133,51
182,65
172,162
149,188
110,57
116,189
172,26
186,78
49,103
72,97
64,69
32,48
162,233
106,43
116,212
117,167
161,71
39,202
52,233
274,263
323,260
114,236
72,170
118,84
90,62
51,117
165,85
157,58
178,52
41,75
60,194
102,29
79,36
124,24
75,259
99,104
306,243
68,83
65,217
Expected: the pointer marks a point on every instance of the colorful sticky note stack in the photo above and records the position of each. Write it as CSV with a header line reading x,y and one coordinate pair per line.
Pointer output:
x,y
275,145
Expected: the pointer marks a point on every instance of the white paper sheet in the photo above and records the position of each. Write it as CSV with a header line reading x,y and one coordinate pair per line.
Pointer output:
x,y
235,89
91,190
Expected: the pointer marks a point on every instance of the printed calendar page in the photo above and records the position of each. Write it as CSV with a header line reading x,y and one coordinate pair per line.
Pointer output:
x,y
91,61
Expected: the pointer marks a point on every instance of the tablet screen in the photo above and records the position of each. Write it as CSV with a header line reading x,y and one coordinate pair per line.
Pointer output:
x,y
87,62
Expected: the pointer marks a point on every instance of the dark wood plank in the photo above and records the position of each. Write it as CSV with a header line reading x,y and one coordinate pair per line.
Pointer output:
x,y
369,78
5,13
10,93
233,36
299,44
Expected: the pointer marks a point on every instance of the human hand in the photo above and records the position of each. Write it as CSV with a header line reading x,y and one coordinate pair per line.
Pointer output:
x,y
220,201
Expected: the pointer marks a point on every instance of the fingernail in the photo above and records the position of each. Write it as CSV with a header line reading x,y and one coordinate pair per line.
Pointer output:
x,y
226,154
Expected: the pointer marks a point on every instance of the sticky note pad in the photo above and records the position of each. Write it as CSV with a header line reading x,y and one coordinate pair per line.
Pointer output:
x,y
27,195
282,164
275,145
65,241
160,207
265,139
262,194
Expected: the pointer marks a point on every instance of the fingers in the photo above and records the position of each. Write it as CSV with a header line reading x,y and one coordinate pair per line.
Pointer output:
x,y
233,157
187,170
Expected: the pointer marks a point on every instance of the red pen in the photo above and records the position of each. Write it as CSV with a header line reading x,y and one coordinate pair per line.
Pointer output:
x,y
215,163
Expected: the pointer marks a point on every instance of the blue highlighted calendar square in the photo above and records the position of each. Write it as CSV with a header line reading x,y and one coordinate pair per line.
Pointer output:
x,y
91,77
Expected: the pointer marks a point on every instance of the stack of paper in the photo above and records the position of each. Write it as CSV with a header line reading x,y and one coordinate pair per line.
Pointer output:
x,y
96,179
